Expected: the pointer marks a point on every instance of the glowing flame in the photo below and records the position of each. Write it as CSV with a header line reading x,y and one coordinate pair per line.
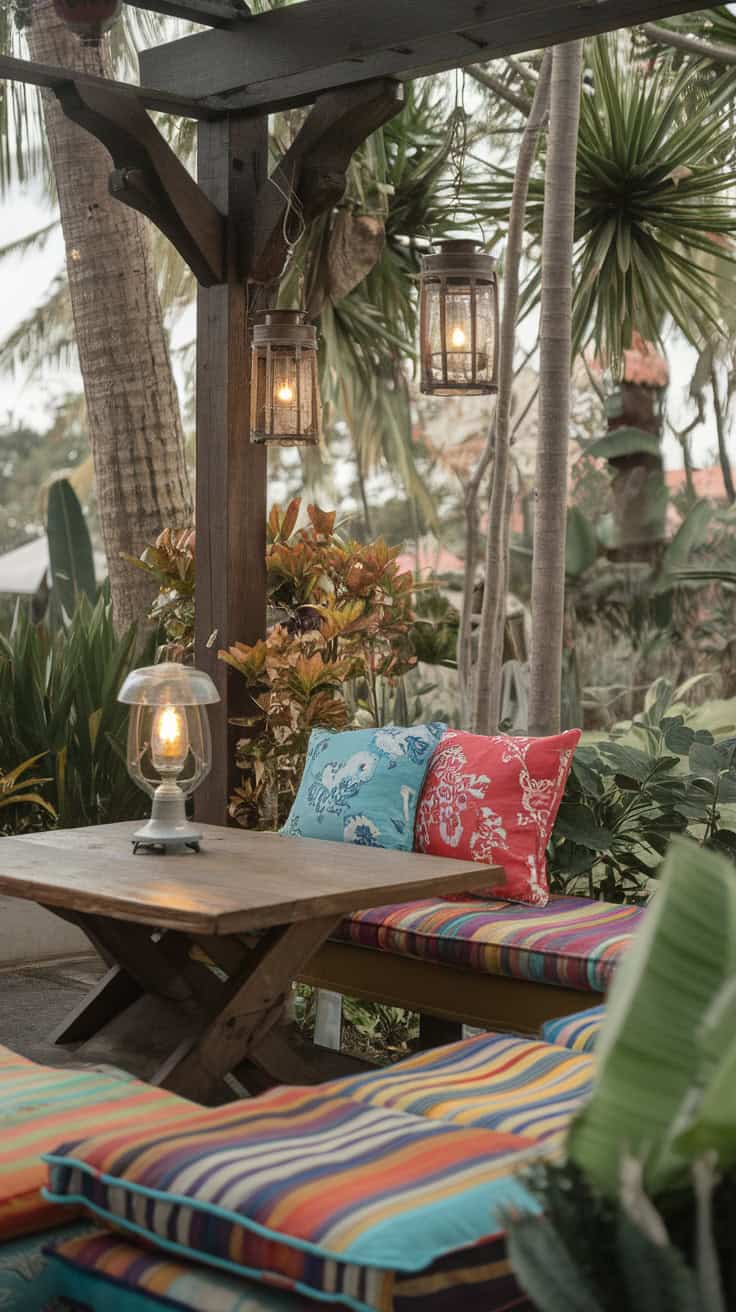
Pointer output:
x,y
169,737
457,338
285,393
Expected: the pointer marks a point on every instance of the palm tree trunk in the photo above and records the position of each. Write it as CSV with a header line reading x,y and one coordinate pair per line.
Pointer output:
x,y
490,649
465,628
548,566
135,424
723,455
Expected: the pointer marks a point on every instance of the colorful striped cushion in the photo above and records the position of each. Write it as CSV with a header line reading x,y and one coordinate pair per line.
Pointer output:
x,y
514,1086
573,941
317,1192
39,1106
579,1032
101,1268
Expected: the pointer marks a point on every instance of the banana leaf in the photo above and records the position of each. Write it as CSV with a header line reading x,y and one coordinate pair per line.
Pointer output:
x,y
651,1065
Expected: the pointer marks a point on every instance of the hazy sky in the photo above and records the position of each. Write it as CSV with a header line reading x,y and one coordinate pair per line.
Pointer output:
x,y
24,281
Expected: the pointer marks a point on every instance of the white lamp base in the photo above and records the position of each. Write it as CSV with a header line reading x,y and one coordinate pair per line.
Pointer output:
x,y
168,830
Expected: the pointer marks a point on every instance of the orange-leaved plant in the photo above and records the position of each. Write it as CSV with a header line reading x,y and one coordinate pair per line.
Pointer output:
x,y
342,615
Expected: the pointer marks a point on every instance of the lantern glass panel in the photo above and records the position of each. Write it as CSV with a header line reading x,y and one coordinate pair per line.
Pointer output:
x,y
285,404
285,401
459,356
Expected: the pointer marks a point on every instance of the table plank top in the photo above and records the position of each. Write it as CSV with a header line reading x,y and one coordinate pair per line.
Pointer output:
x,y
240,880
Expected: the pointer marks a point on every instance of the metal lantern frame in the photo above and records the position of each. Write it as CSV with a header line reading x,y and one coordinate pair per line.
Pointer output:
x,y
458,264
284,335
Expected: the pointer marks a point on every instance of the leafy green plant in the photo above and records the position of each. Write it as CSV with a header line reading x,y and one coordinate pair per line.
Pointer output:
x,y
641,1216
628,795
70,548
16,790
58,704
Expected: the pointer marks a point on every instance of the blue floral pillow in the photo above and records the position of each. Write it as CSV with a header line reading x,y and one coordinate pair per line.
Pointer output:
x,y
363,786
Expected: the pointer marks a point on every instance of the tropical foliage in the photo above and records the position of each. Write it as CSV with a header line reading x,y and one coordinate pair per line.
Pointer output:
x,y
18,791
661,774
642,1216
58,706
339,648
654,211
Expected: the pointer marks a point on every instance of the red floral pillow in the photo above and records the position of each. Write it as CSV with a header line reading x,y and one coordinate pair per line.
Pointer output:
x,y
496,800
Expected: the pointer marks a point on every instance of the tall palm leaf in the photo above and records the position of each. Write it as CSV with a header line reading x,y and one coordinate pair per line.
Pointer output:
x,y
654,202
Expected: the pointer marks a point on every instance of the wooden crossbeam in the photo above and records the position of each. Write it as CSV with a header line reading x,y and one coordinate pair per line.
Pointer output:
x,y
292,54
211,13
148,175
52,77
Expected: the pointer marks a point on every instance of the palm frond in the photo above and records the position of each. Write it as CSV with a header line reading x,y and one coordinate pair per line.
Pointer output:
x,y
655,222
45,336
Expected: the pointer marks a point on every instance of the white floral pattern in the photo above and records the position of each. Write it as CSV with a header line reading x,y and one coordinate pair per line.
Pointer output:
x,y
502,815
362,786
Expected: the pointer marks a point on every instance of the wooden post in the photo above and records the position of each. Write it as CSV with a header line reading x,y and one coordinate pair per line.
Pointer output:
x,y
231,472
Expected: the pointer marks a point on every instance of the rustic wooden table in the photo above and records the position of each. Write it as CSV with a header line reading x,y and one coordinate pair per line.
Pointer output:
x,y
202,948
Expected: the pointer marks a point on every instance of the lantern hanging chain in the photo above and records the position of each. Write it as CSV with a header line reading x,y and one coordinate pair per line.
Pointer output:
x,y
458,141
293,207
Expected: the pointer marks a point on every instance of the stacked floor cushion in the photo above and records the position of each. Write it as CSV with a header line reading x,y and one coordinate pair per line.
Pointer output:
x,y
497,1081
309,1190
572,942
39,1106
579,1032
101,1272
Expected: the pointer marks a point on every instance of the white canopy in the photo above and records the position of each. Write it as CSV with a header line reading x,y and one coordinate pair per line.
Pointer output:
x,y
22,570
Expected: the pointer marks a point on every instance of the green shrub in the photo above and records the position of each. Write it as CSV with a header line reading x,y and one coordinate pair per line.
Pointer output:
x,y
630,793
58,702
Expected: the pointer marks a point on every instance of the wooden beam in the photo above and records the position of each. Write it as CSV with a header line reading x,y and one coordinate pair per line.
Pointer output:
x,y
211,13
311,177
47,75
149,176
231,471
292,54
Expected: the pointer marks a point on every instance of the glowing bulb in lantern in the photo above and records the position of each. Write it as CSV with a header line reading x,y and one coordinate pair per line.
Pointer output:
x,y
169,738
285,393
457,338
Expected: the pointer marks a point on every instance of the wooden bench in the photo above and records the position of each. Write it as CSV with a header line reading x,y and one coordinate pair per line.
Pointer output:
x,y
493,965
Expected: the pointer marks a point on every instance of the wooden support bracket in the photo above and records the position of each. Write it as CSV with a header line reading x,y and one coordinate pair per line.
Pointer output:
x,y
311,177
149,177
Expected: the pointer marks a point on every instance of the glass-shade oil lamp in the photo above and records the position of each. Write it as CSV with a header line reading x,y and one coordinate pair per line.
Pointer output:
x,y
169,748
458,321
284,396
89,19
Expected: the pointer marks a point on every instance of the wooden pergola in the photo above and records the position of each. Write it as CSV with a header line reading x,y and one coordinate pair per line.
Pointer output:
x,y
347,58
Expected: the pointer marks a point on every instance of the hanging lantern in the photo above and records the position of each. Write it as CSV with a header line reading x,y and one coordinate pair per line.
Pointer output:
x,y
90,19
458,318
284,389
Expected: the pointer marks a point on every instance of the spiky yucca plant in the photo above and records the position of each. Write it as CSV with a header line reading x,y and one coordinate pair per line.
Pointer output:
x,y
654,200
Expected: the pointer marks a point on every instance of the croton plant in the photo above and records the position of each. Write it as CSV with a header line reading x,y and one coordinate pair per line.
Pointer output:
x,y
339,636
342,615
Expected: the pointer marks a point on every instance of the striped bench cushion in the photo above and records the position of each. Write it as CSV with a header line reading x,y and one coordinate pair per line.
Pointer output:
x,y
579,1032
573,941
315,1192
98,1272
41,1105
512,1085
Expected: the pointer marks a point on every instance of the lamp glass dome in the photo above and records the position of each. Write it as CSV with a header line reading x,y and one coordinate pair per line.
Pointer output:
x,y
458,316
169,749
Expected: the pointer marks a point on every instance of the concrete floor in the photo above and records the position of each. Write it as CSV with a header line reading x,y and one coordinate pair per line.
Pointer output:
x,y
35,998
